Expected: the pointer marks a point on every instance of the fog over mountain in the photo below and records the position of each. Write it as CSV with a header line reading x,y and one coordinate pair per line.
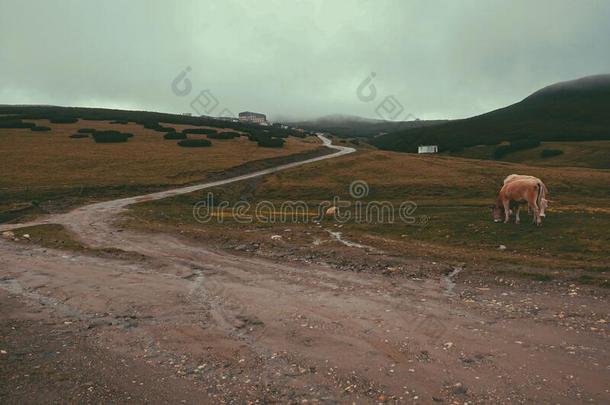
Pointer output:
x,y
588,85
298,60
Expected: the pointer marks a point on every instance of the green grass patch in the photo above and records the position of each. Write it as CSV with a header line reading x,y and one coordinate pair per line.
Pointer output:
x,y
52,236
592,280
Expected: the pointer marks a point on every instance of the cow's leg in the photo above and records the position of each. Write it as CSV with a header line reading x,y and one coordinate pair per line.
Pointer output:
x,y
538,217
529,211
536,212
506,204
517,219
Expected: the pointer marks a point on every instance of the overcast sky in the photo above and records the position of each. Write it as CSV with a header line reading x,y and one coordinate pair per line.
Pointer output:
x,y
297,59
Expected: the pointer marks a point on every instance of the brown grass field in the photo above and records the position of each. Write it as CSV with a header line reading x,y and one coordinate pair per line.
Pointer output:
x,y
53,159
452,195
592,154
50,167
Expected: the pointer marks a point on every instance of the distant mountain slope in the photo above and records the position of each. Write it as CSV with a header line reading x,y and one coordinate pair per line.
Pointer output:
x,y
353,126
92,113
147,118
576,110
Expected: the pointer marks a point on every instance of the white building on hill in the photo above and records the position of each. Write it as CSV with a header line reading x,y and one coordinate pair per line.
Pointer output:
x,y
248,116
427,149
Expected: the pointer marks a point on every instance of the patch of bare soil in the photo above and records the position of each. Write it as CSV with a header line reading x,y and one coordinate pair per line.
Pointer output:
x,y
48,357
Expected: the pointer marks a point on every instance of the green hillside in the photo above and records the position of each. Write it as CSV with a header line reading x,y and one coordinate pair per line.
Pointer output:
x,y
577,110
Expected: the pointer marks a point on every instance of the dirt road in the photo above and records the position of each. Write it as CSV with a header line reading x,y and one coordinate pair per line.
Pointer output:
x,y
179,322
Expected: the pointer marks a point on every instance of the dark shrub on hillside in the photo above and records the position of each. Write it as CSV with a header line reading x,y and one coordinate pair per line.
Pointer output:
x,y
79,136
63,120
40,129
223,135
547,153
525,144
488,142
256,134
199,131
520,144
155,126
194,143
174,135
110,136
456,149
502,151
278,133
86,130
16,124
150,125
270,142
166,129
355,142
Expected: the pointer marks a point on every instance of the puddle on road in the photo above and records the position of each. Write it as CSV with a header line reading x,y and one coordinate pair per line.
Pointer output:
x,y
448,280
337,235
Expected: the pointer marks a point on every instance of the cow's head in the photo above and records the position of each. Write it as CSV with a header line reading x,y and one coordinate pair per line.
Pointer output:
x,y
496,212
544,203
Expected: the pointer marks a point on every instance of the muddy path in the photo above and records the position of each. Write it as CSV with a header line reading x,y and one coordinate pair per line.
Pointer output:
x,y
188,323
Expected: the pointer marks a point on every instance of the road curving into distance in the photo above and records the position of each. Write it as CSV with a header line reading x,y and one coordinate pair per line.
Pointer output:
x,y
115,206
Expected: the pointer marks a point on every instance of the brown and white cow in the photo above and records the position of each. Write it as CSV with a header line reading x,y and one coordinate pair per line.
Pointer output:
x,y
517,191
544,202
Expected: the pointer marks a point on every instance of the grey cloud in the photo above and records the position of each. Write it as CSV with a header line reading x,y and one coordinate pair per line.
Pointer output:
x,y
297,59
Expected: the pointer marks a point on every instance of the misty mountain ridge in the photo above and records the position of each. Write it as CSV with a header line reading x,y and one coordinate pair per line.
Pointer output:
x,y
345,119
585,85
345,125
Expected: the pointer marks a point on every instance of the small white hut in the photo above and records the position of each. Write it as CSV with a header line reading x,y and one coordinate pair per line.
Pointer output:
x,y
427,149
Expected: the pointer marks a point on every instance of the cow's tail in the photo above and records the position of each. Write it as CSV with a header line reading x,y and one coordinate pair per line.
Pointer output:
x,y
546,191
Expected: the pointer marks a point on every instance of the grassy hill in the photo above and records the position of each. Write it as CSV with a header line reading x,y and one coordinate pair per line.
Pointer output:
x,y
592,154
52,170
453,219
349,126
59,114
569,111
